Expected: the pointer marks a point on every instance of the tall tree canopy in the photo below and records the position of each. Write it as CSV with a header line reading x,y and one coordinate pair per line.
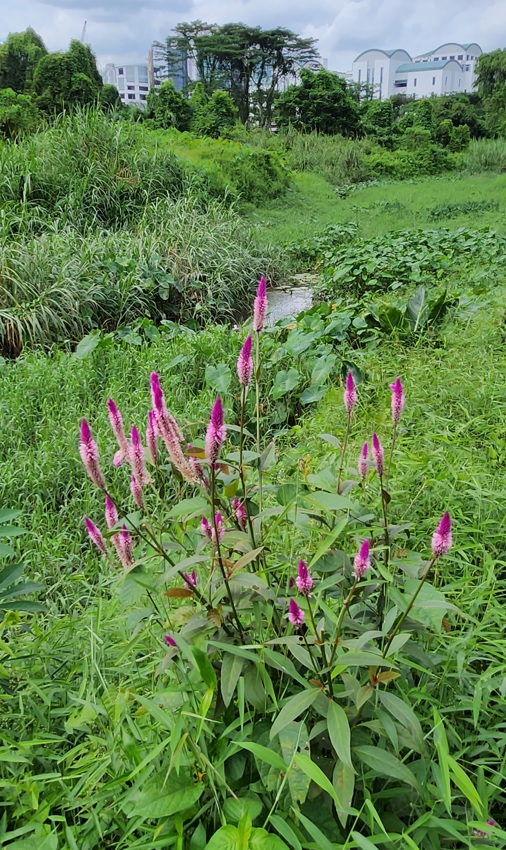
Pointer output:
x,y
491,85
67,79
248,62
19,55
321,102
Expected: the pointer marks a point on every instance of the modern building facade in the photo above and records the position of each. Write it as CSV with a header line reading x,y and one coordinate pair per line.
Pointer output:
x,y
132,82
447,70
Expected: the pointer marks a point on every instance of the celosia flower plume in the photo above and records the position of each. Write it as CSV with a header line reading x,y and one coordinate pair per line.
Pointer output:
x,y
350,394
95,535
245,362
442,537
116,421
260,306
151,438
240,513
136,491
190,580
170,641
295,614
123,544
362,560
169,430
216,433
111,514
89,456
137,459
304,581
378,455
363,466
397,400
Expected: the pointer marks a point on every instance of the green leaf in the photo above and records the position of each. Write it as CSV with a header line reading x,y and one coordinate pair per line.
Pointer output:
x,y
328,541
7,515
313,394
262,840
219,377
392,319
323,367
87,345
339,732
441,744
439,307
265,754
188,508
385,764
295,706
464,784
285,382
344,783
292,738
286,831
316,774
363,842
206,669
417,310
330,501
226,838
155,802
231,669
234,808
405,715
321,841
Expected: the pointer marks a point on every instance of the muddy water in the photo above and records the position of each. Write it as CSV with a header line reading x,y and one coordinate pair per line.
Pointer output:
x,y
288,301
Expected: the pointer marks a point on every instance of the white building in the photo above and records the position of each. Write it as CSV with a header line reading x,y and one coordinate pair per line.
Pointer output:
x,y
132,82
447,70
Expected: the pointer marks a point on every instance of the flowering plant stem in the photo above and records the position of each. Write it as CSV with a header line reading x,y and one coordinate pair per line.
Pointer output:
x,y
343,453
244,390
398,623
219,557
345,606
386,551
321,645
392,446
257,408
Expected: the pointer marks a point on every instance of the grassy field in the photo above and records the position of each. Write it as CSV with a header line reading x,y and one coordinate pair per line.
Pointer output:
x,y
110,739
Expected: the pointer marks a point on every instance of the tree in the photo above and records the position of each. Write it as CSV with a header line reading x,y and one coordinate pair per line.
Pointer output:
x,y
378,120
169,108
215,117
19,56
109,98
18,114
63,80
321,102
491,85
248,62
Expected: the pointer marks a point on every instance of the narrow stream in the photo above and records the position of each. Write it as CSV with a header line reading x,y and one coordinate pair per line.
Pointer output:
x,y
286,302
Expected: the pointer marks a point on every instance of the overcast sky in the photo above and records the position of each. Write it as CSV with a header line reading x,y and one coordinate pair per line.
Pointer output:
x,y
121,31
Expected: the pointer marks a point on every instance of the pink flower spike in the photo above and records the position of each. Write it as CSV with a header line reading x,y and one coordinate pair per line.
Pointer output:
x,y
89,456
116,421
397,400
206,527
220,525
295,614
260,306
442,537
245,362
123,545
363,466
362,561
111,514
190,580
151,438
170,641
137,460
95,535
240,513
378,455
304,581
216,433
136,491
350,394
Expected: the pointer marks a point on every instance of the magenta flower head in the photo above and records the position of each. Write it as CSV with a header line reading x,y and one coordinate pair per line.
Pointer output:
x,y
480,832
170,641
116,421
95,535
304,581
295,614
216,432
362,561
206,527
136,458
89,456
397,400
245,362
111,514
442,537
260,306
151,438
240,513
378,455
123,544
363,466
136,491
190,580
350,394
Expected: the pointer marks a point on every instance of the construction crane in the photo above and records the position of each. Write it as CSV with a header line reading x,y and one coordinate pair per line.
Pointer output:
x,y
83,34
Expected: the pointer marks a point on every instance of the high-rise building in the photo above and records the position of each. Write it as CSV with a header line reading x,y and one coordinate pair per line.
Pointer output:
x,y
132,82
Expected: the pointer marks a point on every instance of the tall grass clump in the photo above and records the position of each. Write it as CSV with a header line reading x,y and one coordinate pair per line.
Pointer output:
x,y
184,258
339,160
485,155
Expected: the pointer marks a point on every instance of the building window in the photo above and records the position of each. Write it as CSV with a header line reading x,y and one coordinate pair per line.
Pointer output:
x,y
414,83
460,56
368,75
130,88
143,96
130,73
122,96
446,81
452,57
121,84
467,57
360,75
443,58
121,70
436,58
131,97
433,81
381,75
143,88
142,73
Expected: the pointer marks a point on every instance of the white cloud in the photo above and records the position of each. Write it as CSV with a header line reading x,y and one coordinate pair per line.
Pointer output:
x,y
123,30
